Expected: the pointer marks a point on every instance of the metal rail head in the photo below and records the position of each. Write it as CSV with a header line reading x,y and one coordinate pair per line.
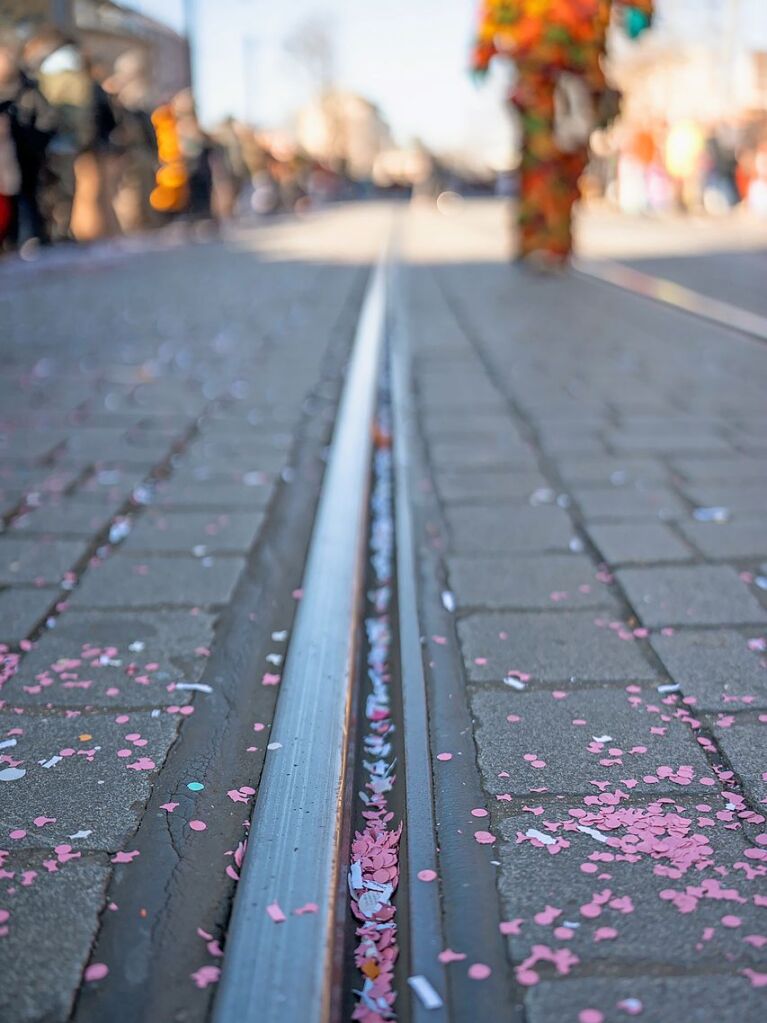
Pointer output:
x,y
278,965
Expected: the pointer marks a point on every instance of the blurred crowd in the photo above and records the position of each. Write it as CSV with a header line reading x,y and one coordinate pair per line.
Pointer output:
x,y
684,167
86,154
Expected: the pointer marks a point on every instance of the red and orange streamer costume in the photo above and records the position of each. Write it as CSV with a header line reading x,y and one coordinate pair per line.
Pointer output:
x,y
545,39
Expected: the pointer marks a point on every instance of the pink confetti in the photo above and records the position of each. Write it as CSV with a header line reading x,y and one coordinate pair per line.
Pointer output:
x,y
510,926
479,971
170,807
125,857
270,680
427,875
96,971
275,913
444,756
590,1016
198,825
206,975
484,837
479,811
308,907
449,956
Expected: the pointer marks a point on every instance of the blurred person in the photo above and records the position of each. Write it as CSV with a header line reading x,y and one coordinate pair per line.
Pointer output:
x,y
720,191
683,158
10,178
229,170
78,186
560,95
197,152
129,87
30,125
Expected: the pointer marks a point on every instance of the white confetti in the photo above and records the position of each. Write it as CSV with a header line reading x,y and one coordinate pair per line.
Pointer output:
x,y
448,601
81,834
50,763
535,833
12,773
197,687
274,745
275,659
425,992
281,636
6,743
596,835
514,682
711,514
602,738
671,687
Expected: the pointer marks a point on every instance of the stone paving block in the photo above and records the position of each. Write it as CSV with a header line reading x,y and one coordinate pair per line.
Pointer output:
x,y
673,442
551,647
745,746
29,445
613,741
629,503
508,530
66,518
155,581
720,998
735,467
227,532
690,595
618,472
739,496
738,538
25,560
459,454
51,927
637,542
204,494
22,610
716,667
640,902
124,659
477,486
85,772
540,582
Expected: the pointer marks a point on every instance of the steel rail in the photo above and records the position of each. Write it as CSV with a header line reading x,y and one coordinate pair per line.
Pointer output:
x,y
666,292
283,970
424,915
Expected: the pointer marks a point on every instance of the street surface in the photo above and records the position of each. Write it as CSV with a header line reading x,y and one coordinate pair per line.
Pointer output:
x,y
589,488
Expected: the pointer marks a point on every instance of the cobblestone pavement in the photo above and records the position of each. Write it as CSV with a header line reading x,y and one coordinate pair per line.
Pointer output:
x,y
593,568
162,420
597,465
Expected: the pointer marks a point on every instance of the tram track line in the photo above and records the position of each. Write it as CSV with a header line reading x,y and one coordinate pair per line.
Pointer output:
x,y
677,296
277,969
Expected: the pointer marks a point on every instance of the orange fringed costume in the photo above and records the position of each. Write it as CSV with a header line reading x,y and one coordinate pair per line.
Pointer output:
x,y
546,38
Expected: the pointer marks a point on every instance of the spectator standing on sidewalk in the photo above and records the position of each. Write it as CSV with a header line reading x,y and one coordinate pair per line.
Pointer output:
x,y
78,188
31,123
560,95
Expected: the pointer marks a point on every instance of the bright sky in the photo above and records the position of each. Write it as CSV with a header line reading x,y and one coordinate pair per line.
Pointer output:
x,y
409,56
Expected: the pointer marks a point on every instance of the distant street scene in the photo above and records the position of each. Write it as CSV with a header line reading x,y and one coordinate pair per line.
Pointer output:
x,y
383,482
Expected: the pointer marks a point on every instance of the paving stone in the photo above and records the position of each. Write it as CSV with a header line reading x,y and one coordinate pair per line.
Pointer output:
x,y
90,788
550,647
539,582
745,746
22,610
459,454
226,532
653,931
734,467
649,441
721,998
690,595
478,486
169,647
67,518
637,542
738,538
629,503
51,928
716,667
38,561
573,759
628,471
739,496
508,530
219,497
155,581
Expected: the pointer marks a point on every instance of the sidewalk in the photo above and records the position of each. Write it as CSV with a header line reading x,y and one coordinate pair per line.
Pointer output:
x,y
612,630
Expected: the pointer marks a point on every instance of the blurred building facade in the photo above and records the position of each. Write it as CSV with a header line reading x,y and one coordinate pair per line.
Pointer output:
x,y
705,60
344,131
107,30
